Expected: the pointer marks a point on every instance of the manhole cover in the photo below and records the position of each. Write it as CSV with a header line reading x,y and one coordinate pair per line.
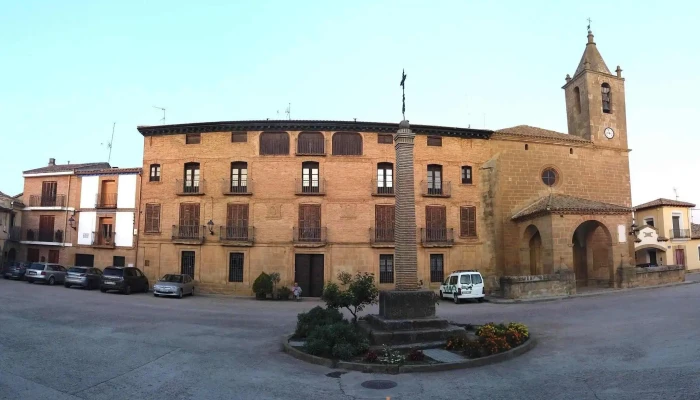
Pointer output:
x,y
378,384
335,374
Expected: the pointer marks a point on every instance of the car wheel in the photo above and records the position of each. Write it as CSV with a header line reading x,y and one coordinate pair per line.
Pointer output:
x,y
52,281
192,292
103,290
441,294
6,277
66,285
155,294
179,294
456,299
30,281
127,290
480,299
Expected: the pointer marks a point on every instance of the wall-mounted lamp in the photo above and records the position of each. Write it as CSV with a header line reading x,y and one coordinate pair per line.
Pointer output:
x,y
210,225
71,222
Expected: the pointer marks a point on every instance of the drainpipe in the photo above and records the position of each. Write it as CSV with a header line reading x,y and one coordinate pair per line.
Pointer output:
x,y
65,222
137,224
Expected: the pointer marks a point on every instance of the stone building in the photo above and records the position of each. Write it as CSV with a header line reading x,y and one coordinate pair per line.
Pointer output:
x,y
10,227
225,201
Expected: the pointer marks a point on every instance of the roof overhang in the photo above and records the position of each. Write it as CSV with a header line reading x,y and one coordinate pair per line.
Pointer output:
x,y
63,173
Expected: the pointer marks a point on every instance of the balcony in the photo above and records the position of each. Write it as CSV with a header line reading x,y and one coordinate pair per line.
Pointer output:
x,y
103,240
436,189
189,188
679,233
382,190
58,200
189,234
237,235
381,237
14,234
243,188
46,236
437,237
306,187
106,200
309,237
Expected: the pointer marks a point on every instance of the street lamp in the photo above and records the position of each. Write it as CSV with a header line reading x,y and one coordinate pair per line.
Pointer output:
x,y
71,222
210,225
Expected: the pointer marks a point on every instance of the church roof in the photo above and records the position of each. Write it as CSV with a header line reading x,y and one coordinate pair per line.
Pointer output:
x,y
68,168
664,203
591,58
564,204
533,132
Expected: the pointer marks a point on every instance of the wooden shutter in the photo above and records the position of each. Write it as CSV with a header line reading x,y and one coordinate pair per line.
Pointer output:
x,y
152,218
189,214
309,216
434,140
237,215
239,137
310,143
274,143
193,138
347,144
46,223
467,221
384,222
385,138
48,194
435,217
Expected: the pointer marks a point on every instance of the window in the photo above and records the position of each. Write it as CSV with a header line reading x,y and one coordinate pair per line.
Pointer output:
x,y
310,223
154,175
235,267
187,263
384,216
465,279
649,221
309,177
189,227
191,178
152,218
310,143
467,175
526,147
239,177
435,179
436,268
453,280
434,140
193,138
549,176
32,255
49,194
237,222
274,143
571,150
386,268
118,261
239,137
607,98
476,279
385,178
435,224
385,138
347,144
577,100
467,221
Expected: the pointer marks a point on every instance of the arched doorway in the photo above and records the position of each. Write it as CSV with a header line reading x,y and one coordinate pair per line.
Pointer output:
x,y
534,247
593,256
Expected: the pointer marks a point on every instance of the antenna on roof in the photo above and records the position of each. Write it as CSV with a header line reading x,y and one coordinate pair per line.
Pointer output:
x,y
162,120
109,144
675,191
288,111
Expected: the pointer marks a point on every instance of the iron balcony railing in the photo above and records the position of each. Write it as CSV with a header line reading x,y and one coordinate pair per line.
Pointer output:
x,y
43,235
15,233
436,189
309,235
311,187
104,239
679,233
189,232
378,236
437,235
382,188
229,187
237,233
58,200
106,200
187,187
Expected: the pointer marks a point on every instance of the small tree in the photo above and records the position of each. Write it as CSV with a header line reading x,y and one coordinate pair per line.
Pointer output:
x,y
356,293
262,285
275,278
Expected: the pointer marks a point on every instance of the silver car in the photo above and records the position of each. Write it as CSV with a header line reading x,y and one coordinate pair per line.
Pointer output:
x,y
174,285
85,277
45,272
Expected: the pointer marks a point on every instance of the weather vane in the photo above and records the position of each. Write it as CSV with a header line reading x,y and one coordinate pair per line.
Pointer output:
x,y
403,91
589,23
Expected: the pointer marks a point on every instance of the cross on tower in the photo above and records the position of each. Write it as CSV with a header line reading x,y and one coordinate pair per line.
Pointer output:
x,y
589,23
403,92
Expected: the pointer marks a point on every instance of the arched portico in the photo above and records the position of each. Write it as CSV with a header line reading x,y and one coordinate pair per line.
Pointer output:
x,y
593,255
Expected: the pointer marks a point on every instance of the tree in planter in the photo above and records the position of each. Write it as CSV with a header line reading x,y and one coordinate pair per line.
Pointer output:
x,y
356,293
262,285
275,278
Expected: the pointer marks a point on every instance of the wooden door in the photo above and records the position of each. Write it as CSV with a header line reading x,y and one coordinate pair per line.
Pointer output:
x,y
435,223
302,272
652,258
46,232
189,220
48,194
384,223
237,221
680,257
316,289
53,256
32,255
108,194
310,222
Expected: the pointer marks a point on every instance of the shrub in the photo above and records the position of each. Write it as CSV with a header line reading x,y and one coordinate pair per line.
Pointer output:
x,y
371,356
284,293
391,356
492,339
262,285
339,340
455,343
415,355
491,329
275,279
493,344
361,291
473,349
317,316
520,328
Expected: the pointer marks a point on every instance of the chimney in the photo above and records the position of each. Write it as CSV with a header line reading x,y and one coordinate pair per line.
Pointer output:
x,y
52,161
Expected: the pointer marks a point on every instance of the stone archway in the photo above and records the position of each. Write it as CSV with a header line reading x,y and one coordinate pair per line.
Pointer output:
x,y
533,241
593,255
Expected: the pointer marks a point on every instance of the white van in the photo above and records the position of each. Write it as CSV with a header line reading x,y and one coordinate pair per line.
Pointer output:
x,y
463,284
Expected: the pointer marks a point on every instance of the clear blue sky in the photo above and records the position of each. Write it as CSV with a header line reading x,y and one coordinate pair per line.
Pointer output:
x,y
69,69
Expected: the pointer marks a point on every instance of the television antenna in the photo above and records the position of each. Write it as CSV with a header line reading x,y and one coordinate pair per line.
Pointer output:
x,y
675,191
109,144
288,111
162,120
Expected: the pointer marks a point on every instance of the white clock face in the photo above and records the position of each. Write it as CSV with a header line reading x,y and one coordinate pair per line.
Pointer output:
x,y
609,133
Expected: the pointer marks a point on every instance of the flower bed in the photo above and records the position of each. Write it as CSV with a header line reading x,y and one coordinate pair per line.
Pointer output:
x,y
489,339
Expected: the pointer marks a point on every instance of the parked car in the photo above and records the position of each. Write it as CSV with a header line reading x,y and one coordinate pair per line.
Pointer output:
x,y
123,279
174,285
45,272
463,284
15,270
85,277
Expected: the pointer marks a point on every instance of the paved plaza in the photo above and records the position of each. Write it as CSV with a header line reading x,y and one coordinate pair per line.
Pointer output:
x,y
58,343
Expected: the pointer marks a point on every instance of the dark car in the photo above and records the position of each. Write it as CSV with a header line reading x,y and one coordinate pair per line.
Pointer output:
x,y
123,279
15,270
85,277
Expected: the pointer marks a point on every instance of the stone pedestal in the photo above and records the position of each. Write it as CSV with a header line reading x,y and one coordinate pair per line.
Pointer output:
x,y
399,304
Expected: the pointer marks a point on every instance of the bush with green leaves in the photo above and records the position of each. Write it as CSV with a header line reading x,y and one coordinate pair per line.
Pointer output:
x,y
284,293
340,340
317,316
353,293
262,285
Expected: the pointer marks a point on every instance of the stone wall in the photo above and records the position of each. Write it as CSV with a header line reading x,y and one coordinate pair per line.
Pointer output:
x,y
631,277
534,286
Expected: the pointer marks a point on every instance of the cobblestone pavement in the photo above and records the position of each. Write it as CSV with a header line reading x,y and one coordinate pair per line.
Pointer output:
x,y
58,343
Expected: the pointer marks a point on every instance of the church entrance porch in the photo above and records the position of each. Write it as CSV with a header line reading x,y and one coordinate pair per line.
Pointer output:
x,y
593,255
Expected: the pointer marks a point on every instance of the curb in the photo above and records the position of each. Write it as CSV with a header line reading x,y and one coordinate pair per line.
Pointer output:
x,y
495,300
397,369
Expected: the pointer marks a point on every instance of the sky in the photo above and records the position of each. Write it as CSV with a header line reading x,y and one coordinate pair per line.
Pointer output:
x,y
71,69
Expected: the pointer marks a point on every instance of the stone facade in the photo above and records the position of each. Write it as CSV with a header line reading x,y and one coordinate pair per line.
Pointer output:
x,y
534,286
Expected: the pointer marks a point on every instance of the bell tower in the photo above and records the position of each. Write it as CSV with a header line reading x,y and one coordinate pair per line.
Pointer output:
x,y
595,100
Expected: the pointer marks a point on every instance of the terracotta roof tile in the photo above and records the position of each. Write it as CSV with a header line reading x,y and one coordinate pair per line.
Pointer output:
x,y
533,132
560,203
104,171
664,202
67,168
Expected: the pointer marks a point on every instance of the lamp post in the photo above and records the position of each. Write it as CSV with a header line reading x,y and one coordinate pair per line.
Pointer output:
x,y
210,225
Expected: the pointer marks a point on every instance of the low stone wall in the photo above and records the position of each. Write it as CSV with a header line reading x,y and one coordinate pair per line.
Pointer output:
x,y
631,277
534,286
